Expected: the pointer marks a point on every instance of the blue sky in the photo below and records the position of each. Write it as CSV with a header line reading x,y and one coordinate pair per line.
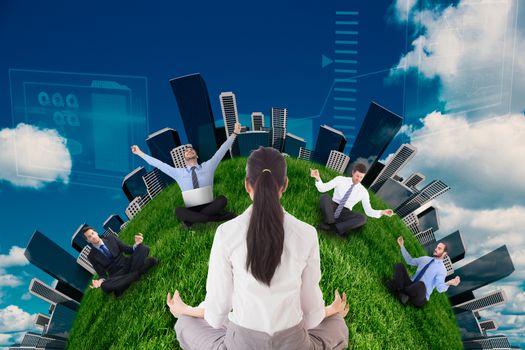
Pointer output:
x,y
413,57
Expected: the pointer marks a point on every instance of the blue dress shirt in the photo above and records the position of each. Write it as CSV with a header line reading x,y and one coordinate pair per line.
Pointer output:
x,y
204,171
434,276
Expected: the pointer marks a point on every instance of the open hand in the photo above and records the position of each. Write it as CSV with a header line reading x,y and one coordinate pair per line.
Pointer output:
x,y
176,305
315,174
454,282
139,238
96,283
400,241
237,128
388,212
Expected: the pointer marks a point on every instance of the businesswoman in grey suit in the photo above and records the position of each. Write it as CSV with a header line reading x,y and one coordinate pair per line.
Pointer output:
x,y
262,290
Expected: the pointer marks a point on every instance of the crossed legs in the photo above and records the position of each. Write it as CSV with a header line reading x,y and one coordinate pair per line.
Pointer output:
x,y
348,220
212,211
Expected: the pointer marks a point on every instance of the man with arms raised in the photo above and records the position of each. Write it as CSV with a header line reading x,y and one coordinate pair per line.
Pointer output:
x,y
430,274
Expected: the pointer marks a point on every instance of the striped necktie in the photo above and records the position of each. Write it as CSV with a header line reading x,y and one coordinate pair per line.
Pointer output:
x,y
194,177
422,272
343,201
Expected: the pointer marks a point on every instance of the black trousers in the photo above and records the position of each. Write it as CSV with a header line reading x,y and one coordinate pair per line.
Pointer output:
x,y
119,281
416,291
347,221
203,213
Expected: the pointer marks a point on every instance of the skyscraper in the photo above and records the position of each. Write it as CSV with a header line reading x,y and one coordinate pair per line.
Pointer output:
x,y
394,193
83,260
495,298
429,192
500,342
161,142
61,321
41,320
414,180
257,121
305,154
229,111
480,272
177,155
55,261
328,139
51,295
36,341
113,223
155,182
428,218
292,145
337,161
488,325
377,130
279,125
196,113
392,167
249,141
133,184
133,207
468,325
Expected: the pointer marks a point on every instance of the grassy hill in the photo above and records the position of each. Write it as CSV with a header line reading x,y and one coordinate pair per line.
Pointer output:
x,y
357,265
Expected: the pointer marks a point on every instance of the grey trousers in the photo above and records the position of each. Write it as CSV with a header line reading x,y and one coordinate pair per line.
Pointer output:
x,y
348,220
196,334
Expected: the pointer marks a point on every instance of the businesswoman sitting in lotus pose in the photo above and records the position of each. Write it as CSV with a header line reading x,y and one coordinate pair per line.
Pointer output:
x,y
262,290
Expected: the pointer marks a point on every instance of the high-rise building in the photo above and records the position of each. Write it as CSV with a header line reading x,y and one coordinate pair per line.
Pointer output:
x,y
292,145
279,125
372,173
55,261
51,295
196,113
480,272
133,184
37,341
177,155
500,342
83,260
468,325
414,180
377,130
229,111
69,291
328,139
161,142
41,320
495,298
134,207
305,154
337,161
113,223
392,167
455,243
394,193
488,325
428,218
249,141
78,241
426,237
155,182
257,121
61,321
429,192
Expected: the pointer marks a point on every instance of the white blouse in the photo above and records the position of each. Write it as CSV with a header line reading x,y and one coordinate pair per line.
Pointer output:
x,y
294,294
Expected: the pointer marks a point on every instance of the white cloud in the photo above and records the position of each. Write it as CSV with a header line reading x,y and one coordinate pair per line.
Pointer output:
x,y
8,280
5,339
471,48
26,296
13,319
32,157
11,338
14,258
480,161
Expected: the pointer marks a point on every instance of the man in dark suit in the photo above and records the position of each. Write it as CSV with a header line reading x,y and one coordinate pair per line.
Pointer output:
x,y
115,270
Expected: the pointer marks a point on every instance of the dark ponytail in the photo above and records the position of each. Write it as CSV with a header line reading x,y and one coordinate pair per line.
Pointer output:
x,y
266,174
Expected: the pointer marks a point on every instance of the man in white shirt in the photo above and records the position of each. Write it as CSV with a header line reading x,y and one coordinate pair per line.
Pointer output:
x,y
337,210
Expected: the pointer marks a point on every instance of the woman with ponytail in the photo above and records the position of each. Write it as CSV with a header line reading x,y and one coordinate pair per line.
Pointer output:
x,y
262,290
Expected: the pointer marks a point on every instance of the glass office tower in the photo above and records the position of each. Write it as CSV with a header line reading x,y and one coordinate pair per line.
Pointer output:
x,y
113,223
456,246
55,261
61,321
377,130
292,145
195,110
133,184
161,142
248,141
328,139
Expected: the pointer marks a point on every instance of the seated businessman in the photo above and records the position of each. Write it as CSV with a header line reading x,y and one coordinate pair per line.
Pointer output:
x,y
337,210
430,274
115,270
194,176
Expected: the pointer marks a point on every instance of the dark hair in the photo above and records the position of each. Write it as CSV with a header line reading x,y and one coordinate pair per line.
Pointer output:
x,y
445,248
359,167
266,174
86,228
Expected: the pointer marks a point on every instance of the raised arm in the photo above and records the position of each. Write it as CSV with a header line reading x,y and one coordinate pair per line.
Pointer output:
x,y
410,260
321,186
214,161
165,168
